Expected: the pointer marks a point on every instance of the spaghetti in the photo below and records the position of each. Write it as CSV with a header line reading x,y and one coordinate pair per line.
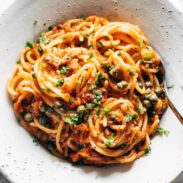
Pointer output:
x,y
90,91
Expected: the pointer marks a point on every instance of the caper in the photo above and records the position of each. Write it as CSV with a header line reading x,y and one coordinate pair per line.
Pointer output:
x,y
147,104
122,84
28,117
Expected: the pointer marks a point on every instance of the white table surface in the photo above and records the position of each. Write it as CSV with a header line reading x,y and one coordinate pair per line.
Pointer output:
x,y
4,4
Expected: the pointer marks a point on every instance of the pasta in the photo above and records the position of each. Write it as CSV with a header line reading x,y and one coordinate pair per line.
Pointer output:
x,y
90,91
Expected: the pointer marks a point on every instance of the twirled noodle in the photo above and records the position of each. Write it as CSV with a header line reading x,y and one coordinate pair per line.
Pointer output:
x,y
90,91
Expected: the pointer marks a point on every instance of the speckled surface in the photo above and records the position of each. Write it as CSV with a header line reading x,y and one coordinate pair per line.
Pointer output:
x,y
21,160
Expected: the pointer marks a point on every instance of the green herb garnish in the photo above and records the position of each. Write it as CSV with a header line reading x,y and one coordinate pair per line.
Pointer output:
x,y
109,141
101,44
40,50
129,117
141,109
44,40
147,150
108,68
104,111
60,82
170,87
43,89
162,131
90,45
71,100
64,69
91,56
92,87
34,75
100,78
29,44
72,119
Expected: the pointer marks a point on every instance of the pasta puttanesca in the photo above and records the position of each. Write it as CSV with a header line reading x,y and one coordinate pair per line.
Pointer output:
x,y
89,91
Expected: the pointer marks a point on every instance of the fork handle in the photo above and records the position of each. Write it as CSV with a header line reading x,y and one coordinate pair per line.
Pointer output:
x,y
172,106
175,111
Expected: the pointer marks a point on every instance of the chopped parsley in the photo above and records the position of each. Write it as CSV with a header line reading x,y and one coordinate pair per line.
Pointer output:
x,y
101,44
104,111
90,45
162,132
170,87
64,69
71,100
141,109
140,62
97,110
92,87
40,50
43,89
108,67
60,82
72,119
129,117
91,56
109,141
34,75
147,150
29,44
100,78
44,40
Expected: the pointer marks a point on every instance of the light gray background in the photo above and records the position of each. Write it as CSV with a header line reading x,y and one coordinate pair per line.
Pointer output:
x,y
4,4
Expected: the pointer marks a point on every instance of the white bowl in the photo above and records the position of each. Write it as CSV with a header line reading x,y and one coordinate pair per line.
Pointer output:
x,y
21,160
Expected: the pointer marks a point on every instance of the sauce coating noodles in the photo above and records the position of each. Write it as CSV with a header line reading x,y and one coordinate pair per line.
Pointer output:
x,y
89,90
